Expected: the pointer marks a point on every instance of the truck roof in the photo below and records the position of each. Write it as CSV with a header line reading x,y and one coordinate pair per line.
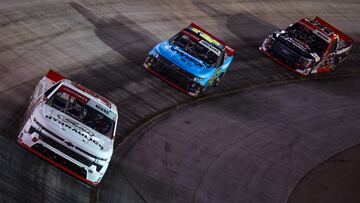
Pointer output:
x,y
327,29
210,38
56,77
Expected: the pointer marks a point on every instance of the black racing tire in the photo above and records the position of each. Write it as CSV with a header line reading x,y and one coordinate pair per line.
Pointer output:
x,y
218,79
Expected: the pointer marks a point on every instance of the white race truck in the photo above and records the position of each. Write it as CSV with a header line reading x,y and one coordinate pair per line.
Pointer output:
x,y
71,127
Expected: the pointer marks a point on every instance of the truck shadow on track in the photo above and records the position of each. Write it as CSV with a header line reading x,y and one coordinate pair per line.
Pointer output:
x,y
121,34
133,42
250,67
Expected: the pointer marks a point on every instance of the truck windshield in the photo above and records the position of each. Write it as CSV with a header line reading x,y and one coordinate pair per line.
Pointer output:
x,y
201,49
316,43
82,109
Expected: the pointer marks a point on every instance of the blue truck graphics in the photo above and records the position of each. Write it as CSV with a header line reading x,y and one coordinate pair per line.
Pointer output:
x,y
191,61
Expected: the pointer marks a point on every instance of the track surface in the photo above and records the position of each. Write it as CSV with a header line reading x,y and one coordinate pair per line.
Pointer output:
x,y
252,146
335,180
102,44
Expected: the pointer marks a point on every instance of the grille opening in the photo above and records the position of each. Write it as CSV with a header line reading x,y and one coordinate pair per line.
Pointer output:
x,y
65,150
285,54
174,73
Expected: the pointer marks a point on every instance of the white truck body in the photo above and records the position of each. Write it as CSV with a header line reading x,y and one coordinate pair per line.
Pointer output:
x,y
71,127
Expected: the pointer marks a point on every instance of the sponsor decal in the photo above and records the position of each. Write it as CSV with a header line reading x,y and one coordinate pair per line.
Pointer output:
x,y
206,37
75,94
300,45
102,109
85,133
92,93
213,49
322,35
191,35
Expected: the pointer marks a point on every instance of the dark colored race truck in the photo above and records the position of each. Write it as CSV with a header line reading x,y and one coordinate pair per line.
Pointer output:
x,y
308,46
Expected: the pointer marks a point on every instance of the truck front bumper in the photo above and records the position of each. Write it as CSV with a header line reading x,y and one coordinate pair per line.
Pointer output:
x,y
58,159
172,77
302,72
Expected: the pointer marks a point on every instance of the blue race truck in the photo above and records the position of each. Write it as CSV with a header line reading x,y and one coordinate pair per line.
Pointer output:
x,y
191,61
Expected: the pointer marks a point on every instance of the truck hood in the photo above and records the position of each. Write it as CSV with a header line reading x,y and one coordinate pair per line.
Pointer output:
x,y
74,131
296,45
184,60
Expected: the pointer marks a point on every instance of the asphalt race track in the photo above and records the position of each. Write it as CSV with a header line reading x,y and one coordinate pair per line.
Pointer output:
x,y
264,135
251,146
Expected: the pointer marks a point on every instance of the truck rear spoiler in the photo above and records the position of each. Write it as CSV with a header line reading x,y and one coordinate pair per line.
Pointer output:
x,y
342,35
54,76
230,51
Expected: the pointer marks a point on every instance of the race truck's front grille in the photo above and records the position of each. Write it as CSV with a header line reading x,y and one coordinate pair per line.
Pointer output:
x,y
62,139
53,134
285,54
174,73
176,68
48,140
60,160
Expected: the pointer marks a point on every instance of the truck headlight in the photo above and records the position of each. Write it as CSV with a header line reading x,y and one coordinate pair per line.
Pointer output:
x,y
306,63
150,61
155,53
269,41
35,127
198,79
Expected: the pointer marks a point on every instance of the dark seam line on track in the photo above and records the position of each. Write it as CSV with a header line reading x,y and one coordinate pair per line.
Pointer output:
x,y
94,192
94,195
42,39
311,170
148,119
214,95
228,147
133,187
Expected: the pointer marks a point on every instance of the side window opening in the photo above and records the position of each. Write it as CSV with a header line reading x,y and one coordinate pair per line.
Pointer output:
x,y
333,46
59,101
221,60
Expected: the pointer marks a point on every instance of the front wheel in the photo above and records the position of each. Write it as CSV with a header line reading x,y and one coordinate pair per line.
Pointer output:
x,y
217,81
